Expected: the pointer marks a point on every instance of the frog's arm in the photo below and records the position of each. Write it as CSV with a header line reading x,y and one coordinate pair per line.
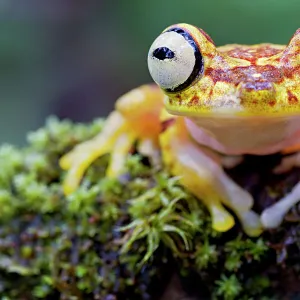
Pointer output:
x,y
139,117
202,174
136,118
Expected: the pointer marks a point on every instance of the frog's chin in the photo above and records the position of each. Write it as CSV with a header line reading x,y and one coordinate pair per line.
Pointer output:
x,y
230,112
230,109
203,112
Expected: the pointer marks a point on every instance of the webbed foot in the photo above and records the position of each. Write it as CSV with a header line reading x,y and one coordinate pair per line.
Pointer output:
x,y
115,138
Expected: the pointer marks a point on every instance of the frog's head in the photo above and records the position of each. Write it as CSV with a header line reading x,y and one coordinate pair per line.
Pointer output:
x,y
200,79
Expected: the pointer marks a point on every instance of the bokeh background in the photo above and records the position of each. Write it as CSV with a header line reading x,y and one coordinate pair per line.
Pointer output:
x,y
73,58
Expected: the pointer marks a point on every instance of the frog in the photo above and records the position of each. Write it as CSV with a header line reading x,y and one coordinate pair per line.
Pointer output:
x,y
207,108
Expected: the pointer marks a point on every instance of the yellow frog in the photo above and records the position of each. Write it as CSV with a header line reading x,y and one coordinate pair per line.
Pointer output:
x,y
212,106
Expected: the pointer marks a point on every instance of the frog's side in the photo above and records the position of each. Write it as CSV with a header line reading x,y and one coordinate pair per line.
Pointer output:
x,y
217,104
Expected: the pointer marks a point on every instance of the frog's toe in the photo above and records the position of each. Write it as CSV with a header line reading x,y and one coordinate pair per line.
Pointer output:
x,y
65,161
119,153
273,216
221,219
77,161
71,181
80,153
75,173
70,162
251,223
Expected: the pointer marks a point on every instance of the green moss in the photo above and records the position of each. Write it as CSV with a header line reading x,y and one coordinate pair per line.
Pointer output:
x,y
238,249
116,237
228,287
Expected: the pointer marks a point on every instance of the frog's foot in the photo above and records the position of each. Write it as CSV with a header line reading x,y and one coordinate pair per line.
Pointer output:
x,y
231,161
115,138
136,119
288,163
203,176
272,216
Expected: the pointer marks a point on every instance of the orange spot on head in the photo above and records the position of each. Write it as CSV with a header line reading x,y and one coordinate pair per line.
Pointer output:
x,y
252,54
237,75
292,98
272,103
179,98
194,100
170,100
289,72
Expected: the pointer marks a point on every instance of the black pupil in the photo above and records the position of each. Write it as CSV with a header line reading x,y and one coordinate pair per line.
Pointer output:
x,y
163,53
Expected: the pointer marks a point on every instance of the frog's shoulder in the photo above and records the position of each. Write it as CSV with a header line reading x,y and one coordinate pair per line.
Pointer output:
x,y
251,52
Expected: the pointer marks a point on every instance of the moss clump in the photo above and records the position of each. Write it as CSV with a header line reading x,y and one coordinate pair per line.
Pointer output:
x,y
124,238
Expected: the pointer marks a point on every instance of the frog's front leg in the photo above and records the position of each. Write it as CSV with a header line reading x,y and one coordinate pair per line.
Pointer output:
x,y
136,118
203,176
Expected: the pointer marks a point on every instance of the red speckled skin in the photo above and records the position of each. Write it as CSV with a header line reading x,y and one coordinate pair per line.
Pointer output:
x,y
247,80
247,101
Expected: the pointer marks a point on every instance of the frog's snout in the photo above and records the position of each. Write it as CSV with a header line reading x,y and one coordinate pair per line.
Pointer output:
x,y
253,93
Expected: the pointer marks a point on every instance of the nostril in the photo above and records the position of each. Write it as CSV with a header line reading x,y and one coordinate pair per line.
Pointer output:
x,y
163,53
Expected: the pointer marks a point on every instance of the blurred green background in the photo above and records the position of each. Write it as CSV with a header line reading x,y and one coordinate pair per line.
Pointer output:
x,y
74,58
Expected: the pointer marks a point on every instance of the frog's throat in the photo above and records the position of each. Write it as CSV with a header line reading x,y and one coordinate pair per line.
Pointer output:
x,y
240,136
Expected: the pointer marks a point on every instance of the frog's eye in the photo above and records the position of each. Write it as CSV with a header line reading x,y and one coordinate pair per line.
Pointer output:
x,y
174,60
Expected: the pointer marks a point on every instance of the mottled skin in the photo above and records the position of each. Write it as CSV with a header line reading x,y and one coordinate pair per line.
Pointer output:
x,y
253,80
247,100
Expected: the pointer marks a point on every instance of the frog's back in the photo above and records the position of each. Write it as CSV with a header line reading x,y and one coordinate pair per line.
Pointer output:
x,y
273,74
266,76
251,53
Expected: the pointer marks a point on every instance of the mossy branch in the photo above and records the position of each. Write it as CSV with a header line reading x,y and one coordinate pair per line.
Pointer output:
x,y
112,237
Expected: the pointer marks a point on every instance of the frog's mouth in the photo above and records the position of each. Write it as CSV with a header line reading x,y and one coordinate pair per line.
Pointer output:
x,y
191,106
230,106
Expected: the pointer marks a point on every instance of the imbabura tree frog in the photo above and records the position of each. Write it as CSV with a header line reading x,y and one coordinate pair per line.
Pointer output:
x,y
209,107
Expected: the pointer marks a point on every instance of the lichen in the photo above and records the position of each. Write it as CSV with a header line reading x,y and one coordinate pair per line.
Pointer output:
x,y
124,238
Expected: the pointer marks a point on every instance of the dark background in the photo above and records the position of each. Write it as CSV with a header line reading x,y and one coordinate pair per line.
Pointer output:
x,y
74,58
